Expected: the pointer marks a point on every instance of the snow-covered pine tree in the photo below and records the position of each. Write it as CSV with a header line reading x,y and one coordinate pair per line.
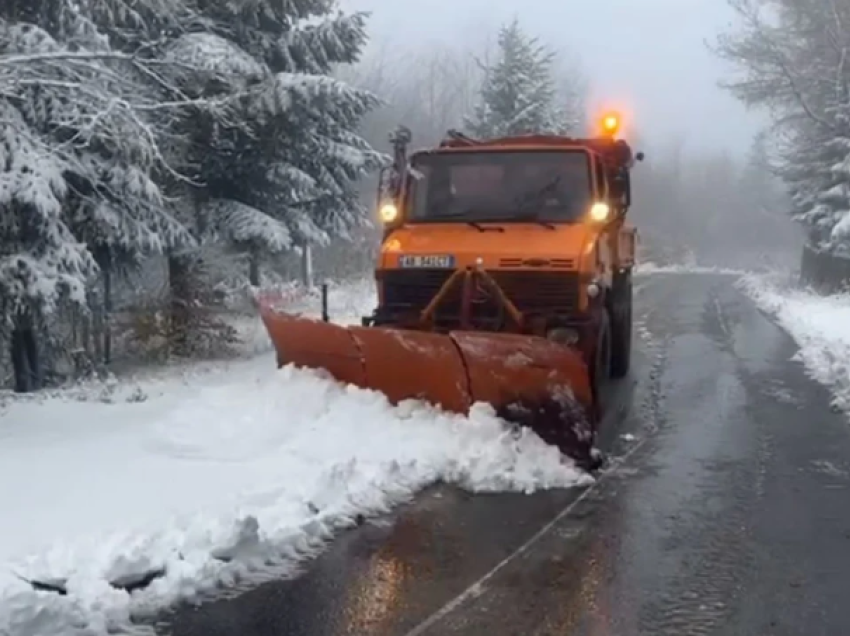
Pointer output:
x,y
762,190
282,169
261,115
571,95
74,105
838,195
793,57
814,167
40,261
95,105
518,94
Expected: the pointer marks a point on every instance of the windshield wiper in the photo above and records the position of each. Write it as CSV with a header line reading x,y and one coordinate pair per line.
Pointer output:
x,y
476,224
485,228
534,217
529,206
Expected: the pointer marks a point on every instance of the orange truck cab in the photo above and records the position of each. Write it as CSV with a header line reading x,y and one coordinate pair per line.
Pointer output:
x,y
541,223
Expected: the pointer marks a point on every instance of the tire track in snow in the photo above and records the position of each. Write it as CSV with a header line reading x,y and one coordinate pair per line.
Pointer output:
x,y
712,533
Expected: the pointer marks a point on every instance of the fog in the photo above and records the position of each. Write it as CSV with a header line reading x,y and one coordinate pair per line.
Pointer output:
x,y
705,193
247,165
648,57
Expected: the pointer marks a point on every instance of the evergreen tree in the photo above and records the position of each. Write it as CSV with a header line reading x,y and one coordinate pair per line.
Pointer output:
x,y
144,126
763,191
84,114
792,53
280,166
518,95
267,137
79,157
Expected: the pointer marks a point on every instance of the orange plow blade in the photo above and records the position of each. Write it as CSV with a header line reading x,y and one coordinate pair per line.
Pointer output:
x,y
527,380
535,383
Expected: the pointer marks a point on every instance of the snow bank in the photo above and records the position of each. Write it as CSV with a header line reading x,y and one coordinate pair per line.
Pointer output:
x,y
819,324
685,268
348,300
219,482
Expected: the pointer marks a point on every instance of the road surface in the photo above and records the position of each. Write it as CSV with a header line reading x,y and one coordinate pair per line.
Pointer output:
x,y
726,513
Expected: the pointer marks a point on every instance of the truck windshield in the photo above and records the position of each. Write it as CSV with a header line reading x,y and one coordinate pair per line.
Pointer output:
x,y
504,186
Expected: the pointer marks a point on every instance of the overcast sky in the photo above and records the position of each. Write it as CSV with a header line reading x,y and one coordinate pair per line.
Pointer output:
x,y
649,55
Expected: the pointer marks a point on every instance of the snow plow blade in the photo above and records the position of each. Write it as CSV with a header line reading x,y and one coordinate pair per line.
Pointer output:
x,y
528,380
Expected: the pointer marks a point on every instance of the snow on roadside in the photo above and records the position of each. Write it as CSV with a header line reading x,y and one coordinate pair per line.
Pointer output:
x,y
649,267
221,473
348,301
240,475
820,325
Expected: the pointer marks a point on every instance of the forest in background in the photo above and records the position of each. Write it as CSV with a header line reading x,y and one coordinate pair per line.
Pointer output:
x,y
165,158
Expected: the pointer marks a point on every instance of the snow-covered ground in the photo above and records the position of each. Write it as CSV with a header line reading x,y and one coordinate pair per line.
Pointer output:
x,y
648,268
223,476
820,325
219,475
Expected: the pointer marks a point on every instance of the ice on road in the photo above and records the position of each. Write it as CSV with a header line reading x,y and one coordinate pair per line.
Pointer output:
x,y
245,471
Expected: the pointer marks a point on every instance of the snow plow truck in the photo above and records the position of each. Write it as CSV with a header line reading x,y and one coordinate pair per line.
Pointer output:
x,y
504,276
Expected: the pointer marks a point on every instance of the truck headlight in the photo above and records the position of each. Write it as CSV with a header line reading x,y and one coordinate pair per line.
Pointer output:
x,y
600,212
389,212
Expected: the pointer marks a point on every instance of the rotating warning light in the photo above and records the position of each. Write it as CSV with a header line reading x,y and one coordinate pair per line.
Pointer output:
x,y
389,213
611,124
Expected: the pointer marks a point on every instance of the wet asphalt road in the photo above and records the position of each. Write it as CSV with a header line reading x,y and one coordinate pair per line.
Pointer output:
x,y
728,513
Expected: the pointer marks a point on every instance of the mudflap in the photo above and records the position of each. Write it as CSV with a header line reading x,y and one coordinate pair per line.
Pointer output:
x,y
529,381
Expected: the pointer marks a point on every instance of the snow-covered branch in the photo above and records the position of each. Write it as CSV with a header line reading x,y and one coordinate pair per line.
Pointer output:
x,y
793,56
519,94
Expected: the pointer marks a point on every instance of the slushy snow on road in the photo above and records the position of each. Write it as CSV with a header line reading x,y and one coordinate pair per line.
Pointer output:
x,y
235,475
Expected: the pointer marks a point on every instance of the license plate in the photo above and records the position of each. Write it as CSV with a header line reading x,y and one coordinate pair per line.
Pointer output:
x,y
430,261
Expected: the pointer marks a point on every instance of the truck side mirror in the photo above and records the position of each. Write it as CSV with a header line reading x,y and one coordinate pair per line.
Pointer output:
x,y
621,189
627,190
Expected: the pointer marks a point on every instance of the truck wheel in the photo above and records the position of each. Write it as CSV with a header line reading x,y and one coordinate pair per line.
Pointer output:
x,y
601,367
621,326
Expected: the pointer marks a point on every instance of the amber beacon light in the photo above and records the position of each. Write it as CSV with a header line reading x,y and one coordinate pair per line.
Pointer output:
x,y
611,124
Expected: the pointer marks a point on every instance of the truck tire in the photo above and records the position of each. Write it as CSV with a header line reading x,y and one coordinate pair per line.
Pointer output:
x,y
621,326
601,367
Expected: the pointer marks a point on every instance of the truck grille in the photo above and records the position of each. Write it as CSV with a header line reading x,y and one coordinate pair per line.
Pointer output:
x,y
531,291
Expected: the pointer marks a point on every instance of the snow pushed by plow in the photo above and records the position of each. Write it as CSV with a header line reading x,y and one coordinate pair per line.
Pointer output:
x,y
228,482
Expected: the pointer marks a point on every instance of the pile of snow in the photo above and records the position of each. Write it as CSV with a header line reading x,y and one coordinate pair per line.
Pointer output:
x,y
219,482
819,324
684,268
